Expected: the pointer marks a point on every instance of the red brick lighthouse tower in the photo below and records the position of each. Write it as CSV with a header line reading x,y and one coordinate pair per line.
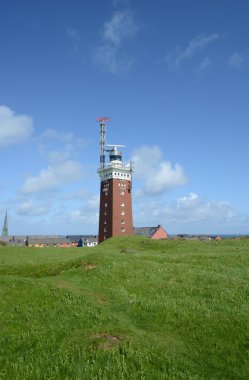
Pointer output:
x,y
115,211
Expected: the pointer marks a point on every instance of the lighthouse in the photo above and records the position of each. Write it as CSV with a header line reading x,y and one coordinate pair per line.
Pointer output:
x,y
115,209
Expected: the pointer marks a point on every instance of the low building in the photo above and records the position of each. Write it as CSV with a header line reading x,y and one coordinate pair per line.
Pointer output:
x,y
36,240
156,233
52,240
87,240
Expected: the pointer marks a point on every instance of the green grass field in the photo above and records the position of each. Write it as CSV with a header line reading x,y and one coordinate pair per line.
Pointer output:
x,y
130,308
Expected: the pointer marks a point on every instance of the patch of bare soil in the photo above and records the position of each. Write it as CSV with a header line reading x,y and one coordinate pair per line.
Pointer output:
x,y
127,250
106,341
90,266
102,301
63,284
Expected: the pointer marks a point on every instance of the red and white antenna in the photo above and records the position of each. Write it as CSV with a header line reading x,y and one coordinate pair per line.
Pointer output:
x,y
103,119
102,122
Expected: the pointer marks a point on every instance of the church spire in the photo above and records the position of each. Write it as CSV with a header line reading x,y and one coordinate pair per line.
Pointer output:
x,y
5,226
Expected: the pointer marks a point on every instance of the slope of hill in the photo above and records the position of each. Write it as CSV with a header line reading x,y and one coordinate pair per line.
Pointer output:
x,y
130,308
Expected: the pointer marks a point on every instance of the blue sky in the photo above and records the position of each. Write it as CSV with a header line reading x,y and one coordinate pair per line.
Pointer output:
x,y
173,77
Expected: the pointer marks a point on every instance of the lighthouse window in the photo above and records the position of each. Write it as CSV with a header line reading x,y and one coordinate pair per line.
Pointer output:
x,y
122,212
122,204
104,229
104,221
122,192
122,229
105,213
106,204
122,222
104,237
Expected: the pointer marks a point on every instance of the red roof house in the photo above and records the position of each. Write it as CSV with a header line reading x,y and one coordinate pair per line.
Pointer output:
x,y
151,232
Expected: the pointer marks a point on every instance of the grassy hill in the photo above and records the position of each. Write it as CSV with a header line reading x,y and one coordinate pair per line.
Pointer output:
x,y
130,308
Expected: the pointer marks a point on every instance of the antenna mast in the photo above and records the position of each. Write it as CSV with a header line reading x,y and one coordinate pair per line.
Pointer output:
x,y
102,122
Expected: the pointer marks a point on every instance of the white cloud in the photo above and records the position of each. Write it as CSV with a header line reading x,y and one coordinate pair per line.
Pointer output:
x,y
93,203
116,31
158,175
73,34
79,194
75,37
88,220
30,208
62,137
180,54
54,176
236,61
246,220
14,129
69,141
192,208
188,214
89,213
59,146
187,202
122,26
61,150
58,157
205,63
108,57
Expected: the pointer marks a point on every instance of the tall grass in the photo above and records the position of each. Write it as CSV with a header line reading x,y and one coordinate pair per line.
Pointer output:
x,y
131,308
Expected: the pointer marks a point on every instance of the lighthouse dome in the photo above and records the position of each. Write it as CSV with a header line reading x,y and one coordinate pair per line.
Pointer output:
x,y
115,154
